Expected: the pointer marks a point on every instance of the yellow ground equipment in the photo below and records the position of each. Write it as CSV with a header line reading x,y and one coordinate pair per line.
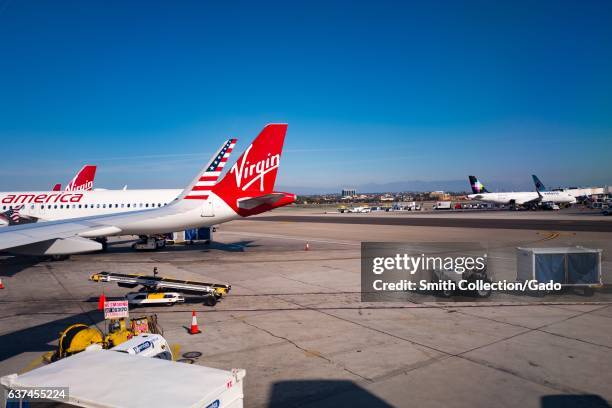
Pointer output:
x,y
74,339
78,337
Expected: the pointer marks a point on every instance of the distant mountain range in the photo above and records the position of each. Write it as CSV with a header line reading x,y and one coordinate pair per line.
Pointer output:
x,y
411,185
393,187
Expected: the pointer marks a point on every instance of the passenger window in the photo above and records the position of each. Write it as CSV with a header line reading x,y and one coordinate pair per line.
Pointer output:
x,y
128,205
79,205
55,206
97,205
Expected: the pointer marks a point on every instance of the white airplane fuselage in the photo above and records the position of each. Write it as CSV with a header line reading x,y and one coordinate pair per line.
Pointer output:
x,y
128,208
521,198
54,206
170,218
61,205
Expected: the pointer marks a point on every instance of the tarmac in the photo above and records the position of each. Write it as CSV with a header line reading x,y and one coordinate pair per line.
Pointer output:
x,y
295,321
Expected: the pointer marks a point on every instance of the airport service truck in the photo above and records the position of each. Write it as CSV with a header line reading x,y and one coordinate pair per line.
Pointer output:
x,y
442,205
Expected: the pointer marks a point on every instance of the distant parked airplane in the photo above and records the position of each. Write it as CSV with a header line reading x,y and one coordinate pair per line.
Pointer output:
x,y
525,199
17,214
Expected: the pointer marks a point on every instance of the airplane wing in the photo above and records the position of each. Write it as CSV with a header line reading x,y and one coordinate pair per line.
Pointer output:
x,y
70,236
66,236
538,199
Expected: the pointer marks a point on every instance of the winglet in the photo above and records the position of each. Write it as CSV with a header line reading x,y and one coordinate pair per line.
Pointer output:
x,y
201,185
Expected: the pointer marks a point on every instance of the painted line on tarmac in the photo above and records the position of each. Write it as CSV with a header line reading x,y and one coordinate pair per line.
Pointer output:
x,y
293,238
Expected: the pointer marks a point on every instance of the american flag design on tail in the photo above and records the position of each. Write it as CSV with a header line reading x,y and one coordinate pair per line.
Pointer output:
x,y
12,213
201,190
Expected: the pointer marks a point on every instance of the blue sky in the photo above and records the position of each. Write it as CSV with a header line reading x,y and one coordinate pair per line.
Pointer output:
x,y
373,92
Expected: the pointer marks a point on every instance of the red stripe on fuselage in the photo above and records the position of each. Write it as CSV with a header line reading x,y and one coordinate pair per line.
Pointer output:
x,y
196,197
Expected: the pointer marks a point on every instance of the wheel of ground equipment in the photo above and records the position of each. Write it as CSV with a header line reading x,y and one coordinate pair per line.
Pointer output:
x,y
484,293
588,291
192,355
446,293
210,300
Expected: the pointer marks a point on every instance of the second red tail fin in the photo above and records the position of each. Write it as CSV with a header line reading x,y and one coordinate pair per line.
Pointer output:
x,y
84,179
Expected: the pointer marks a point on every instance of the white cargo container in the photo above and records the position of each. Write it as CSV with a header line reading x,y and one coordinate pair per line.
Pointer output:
x,y
105,378
569,266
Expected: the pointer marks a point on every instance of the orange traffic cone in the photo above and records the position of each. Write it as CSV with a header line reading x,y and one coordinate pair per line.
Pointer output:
x,y
194,324
307,247
101,301
1,284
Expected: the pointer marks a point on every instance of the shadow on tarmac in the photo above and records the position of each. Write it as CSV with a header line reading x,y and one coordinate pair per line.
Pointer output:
x,y
36,338
12,265
238,246
574,401
323,393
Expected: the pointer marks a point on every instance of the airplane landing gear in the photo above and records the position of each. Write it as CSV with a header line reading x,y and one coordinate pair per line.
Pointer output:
x,y
59,257
149,243
104,242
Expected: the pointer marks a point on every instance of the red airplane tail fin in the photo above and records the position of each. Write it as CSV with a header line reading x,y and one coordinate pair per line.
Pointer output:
x,y
84,179
57,187
254,174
